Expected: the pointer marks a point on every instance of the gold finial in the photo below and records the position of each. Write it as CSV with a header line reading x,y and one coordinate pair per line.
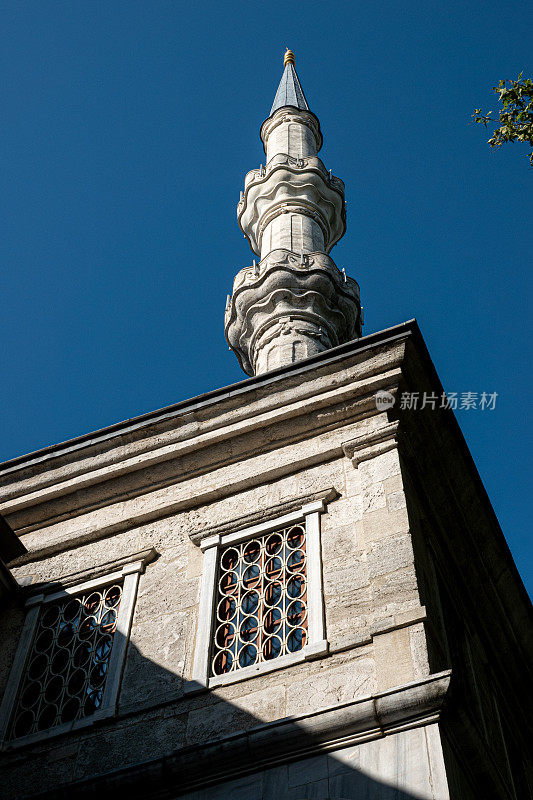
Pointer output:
x,y
289,58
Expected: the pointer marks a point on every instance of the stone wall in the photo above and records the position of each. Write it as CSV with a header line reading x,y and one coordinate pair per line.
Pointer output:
x,y
369,582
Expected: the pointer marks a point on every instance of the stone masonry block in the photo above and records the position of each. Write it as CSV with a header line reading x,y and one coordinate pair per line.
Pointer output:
x,y
170,531
308,770
343,574
395,501
195,561
165,588
352,480
243,713
344,511
275,782
328,687
318,790
394,484
155,660
395,592
419,650
131,743
374,498
383,523
36,774
341,542
348,614
389,555
379,468
394,660
247,788
404,765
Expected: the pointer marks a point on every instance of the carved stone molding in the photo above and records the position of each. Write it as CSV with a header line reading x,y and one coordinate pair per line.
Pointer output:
x,y
296,162
286,258
372,444
142,557
263,515
287,189
295,306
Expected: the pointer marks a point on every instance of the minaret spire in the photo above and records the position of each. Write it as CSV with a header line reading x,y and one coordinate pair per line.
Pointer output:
x,y
290,92
295,302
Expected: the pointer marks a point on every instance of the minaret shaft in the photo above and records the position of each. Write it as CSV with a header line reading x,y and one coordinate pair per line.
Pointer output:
x,y
295,232
295,303
291,138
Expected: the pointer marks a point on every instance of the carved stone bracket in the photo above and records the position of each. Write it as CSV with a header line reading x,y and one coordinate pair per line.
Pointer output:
x,y
362,448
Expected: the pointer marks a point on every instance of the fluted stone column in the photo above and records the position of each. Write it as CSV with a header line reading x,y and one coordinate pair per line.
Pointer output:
x,y
295,302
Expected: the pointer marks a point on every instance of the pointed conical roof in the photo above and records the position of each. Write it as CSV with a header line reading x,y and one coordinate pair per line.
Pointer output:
x,y
290,92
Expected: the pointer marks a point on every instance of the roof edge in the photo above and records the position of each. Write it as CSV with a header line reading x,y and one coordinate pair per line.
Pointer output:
x,y
207,398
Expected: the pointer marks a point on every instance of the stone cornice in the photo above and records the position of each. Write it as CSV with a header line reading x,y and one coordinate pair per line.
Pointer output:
x,y
58,507
358,393
300,264
118,439
82,525
374,716
311,162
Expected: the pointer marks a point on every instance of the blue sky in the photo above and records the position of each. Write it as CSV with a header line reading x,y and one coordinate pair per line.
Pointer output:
x,y
127,128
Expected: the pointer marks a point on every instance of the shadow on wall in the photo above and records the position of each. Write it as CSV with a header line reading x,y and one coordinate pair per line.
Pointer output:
x,y
167,743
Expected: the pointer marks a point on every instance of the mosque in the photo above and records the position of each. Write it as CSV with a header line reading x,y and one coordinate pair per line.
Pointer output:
x,y
291,587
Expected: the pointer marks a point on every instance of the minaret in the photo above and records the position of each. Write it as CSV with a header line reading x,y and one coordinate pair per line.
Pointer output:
x,y
295,302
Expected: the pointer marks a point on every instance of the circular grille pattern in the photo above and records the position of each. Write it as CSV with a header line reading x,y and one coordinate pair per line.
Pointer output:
x,y
67,666
261,608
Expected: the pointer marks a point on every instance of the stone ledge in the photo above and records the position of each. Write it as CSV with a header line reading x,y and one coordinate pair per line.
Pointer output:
x,y
411,705
401,620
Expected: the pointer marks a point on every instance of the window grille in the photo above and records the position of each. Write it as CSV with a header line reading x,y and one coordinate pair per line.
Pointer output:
x,y
261,603
68,662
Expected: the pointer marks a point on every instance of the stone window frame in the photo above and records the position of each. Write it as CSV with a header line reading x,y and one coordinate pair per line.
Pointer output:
x,y
317,644
128,574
